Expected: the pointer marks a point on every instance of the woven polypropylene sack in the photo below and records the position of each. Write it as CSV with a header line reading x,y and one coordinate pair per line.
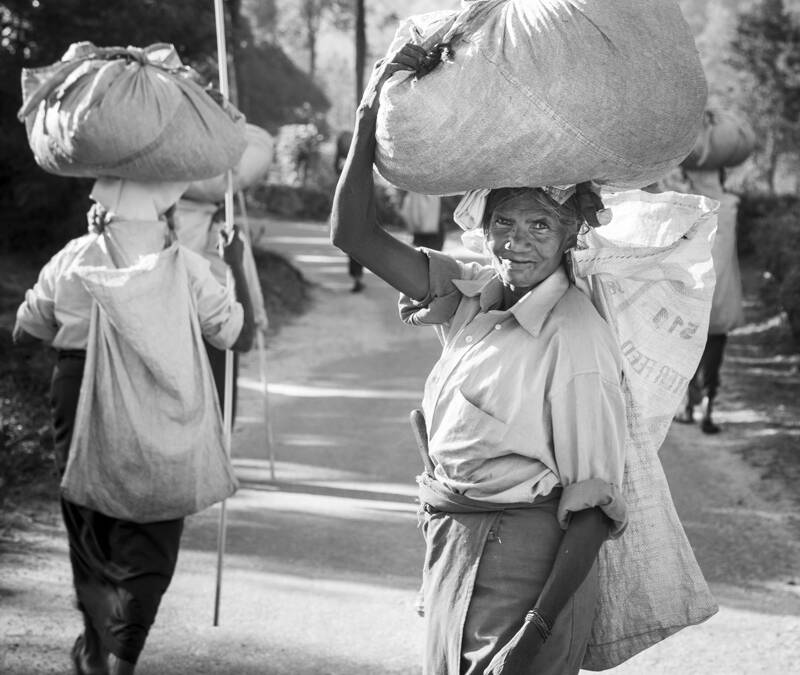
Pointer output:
x,y
127,113
252,167
148,441
650,275
543,92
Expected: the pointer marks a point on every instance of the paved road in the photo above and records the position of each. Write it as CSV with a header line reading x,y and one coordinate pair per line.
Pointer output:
x,y
322,561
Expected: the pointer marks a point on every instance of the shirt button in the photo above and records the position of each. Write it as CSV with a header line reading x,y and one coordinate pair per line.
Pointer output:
x,y
497,326
468,339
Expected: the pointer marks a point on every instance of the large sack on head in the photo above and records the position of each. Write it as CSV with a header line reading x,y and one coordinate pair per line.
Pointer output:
x,y
252,167
543,92
127,113
725,140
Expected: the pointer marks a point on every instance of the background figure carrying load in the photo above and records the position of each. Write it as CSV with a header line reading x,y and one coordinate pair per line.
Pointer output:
x,y
138,432
199,223
725,141
120,568
423,216
726,307
199,226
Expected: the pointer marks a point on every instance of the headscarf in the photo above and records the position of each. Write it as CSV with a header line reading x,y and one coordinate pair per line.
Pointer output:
x,y
470,212
138,201
129,214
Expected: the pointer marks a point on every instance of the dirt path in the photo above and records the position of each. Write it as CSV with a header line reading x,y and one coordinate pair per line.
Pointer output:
x,y
322,562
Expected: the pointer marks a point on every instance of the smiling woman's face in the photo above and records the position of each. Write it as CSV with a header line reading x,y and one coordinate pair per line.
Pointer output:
x,y
527,242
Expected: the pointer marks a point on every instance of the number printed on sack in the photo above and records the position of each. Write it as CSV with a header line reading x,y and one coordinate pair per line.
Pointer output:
x,y
662,320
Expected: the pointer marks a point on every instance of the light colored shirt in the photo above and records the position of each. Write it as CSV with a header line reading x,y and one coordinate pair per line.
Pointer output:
x,y
58,308
525,399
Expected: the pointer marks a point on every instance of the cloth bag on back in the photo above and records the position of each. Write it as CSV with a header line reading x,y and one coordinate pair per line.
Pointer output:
x,y
650,274
147,443
127,113
543,92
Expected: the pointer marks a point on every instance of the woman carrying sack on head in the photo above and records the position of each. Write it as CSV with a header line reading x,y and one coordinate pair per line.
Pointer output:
x,y
526,421
528,433
138,431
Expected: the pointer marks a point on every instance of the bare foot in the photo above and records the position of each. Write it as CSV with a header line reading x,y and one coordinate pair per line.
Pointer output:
x,y
120,667
85,662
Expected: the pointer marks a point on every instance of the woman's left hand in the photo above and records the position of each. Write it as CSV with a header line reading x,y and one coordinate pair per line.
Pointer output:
x,y
516,656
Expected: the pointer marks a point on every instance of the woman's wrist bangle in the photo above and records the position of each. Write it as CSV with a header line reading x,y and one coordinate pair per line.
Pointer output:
x,y
541,623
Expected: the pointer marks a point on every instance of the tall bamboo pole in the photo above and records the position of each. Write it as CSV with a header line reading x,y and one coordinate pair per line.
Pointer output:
x,y
227,408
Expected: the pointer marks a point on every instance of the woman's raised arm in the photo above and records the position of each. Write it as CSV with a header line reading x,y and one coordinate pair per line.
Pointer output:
x,y
354,225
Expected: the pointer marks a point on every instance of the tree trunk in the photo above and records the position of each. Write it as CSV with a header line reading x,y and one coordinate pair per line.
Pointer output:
x,y
312,52
313,12
772,162
237,94
361,49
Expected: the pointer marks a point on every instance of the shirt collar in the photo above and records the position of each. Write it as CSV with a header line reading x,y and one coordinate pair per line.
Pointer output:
x,y
531,310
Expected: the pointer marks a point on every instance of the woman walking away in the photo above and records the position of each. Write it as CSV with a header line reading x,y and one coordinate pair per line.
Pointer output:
x,y
122,566
526,421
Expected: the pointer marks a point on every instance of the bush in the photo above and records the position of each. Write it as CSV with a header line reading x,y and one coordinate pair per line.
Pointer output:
x,y
756,212
26,445
769,227
291,201
789,296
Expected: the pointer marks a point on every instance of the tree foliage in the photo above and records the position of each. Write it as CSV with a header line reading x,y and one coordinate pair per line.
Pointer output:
x,y
304,20
274,90
767,46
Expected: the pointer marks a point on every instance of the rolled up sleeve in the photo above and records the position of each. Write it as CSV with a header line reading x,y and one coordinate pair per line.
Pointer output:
x,y
589,432
36,315
443,297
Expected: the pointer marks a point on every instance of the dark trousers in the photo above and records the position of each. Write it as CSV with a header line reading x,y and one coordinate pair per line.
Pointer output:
x,y
706,380
216,358
120,569
354,268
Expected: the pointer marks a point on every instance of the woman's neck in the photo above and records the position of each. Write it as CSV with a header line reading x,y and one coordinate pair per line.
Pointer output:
x,y
511,294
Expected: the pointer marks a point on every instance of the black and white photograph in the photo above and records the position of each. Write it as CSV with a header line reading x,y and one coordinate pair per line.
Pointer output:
x,y
399,337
